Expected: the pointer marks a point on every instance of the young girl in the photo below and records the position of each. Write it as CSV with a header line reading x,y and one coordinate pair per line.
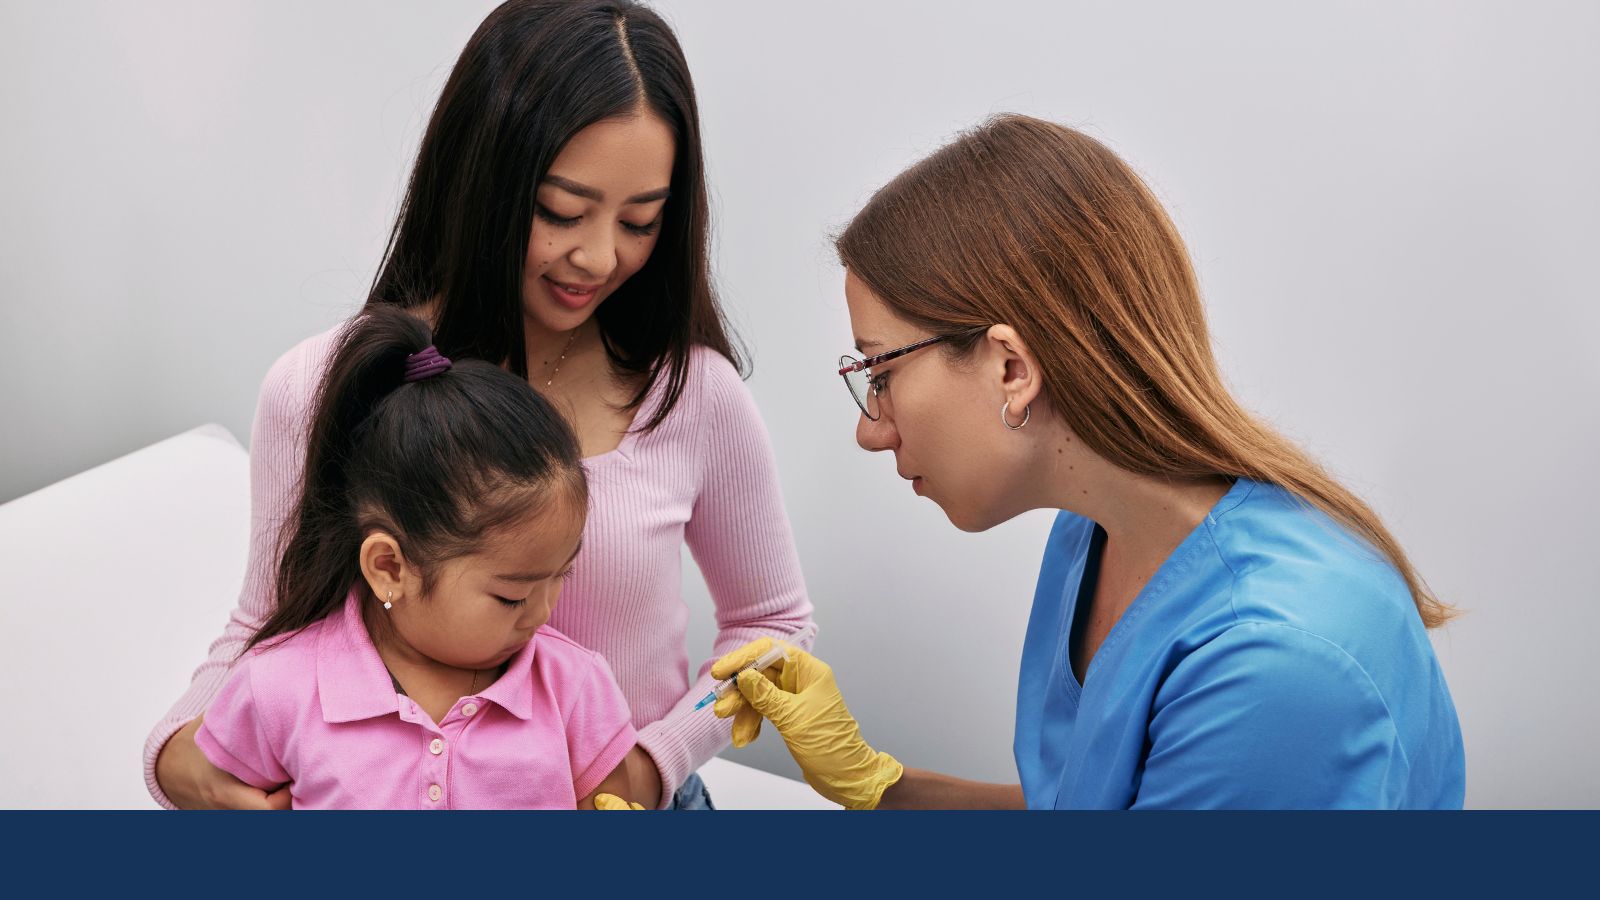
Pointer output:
x,y
408,664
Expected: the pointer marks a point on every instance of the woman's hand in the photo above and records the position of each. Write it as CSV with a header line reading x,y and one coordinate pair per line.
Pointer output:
x,y
799,697
190,781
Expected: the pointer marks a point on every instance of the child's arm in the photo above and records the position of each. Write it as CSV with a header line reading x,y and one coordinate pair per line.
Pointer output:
x,y
234,736
619,789
599,736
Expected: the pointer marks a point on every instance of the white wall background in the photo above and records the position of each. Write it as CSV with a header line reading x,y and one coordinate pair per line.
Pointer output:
x,y
1393,208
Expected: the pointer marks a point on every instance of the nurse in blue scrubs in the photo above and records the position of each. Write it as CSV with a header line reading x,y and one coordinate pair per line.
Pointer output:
x,y
1217,623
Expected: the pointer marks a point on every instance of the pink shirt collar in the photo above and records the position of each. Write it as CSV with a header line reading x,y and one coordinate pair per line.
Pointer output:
x,y
354,684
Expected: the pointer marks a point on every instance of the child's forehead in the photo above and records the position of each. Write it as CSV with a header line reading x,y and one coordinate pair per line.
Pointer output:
x,y
542,540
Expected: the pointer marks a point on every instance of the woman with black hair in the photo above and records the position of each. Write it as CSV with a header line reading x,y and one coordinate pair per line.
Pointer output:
x,y
556,224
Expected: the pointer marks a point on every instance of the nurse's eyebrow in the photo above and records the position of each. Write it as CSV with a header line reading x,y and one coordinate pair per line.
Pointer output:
x,y
863,346
589,193
540,576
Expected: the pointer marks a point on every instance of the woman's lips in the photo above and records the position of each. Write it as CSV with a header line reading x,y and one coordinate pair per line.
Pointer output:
x,y
572,296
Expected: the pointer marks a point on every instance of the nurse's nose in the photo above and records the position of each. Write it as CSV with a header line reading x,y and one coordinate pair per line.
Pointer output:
x,y
879,435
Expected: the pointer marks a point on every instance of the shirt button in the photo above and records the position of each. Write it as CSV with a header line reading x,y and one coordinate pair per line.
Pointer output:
x,y
469,709
436,747
435,792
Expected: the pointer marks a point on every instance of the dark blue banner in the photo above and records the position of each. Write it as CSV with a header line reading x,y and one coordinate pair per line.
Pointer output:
x,y
738,855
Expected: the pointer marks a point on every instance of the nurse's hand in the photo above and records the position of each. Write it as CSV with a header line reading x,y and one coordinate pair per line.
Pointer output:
x,y
799,697
613,802
190,781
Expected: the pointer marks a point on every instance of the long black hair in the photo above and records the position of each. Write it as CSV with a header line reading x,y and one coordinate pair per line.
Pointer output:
x,y
436,463
534,74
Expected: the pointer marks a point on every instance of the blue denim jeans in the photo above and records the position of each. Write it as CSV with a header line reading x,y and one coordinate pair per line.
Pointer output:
x,y
692,794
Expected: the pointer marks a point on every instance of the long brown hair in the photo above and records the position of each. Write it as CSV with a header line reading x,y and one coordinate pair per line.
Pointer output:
x,y
1041,227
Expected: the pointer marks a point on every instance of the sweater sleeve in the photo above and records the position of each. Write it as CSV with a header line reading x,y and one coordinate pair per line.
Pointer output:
x,y
277,455
740,537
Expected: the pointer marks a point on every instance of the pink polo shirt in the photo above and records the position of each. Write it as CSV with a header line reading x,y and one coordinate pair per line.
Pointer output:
x,y
318,709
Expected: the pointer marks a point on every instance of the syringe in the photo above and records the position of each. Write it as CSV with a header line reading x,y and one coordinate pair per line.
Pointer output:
x,y
779,650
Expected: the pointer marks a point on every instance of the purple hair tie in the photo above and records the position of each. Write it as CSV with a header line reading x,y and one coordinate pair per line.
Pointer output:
x,y
425,363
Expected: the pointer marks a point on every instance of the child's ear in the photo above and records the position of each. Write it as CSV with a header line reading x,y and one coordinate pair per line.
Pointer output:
x,y
385,568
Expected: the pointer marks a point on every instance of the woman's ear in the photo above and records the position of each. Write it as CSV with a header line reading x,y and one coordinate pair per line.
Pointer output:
x,y
1020,378
384,567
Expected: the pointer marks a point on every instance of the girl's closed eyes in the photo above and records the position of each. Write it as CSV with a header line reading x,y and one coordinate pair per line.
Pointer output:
x,y
564,575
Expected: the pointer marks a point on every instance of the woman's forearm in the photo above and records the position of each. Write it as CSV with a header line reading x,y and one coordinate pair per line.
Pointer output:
x,y
277,451
921,789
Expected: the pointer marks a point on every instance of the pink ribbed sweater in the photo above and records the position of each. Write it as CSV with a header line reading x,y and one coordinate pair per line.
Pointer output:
x,y
704,477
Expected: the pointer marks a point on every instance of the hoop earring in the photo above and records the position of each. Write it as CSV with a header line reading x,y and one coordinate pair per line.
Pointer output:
x,y
1005,412
389,603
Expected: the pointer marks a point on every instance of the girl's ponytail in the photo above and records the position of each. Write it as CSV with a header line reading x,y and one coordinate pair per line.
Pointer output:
x,y
435,461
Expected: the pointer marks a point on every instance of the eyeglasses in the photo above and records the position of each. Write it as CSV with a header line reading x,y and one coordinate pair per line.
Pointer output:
x,y
865,388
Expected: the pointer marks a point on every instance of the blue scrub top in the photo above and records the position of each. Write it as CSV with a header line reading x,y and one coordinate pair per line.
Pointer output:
x,y
1272,661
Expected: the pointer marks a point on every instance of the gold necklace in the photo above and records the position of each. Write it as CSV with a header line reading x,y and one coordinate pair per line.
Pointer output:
x,y
570,339
400,689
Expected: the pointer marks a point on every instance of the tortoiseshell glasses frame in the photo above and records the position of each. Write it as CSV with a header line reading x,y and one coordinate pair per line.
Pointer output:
x,y
863,387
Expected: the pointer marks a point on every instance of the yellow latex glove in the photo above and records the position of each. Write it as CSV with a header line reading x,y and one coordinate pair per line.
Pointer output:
x,y
799,697
612,801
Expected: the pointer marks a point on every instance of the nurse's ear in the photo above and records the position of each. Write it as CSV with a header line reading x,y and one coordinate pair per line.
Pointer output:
x,y
1015,372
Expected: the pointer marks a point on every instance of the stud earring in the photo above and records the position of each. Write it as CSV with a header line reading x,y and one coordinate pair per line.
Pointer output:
x,y
389,603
